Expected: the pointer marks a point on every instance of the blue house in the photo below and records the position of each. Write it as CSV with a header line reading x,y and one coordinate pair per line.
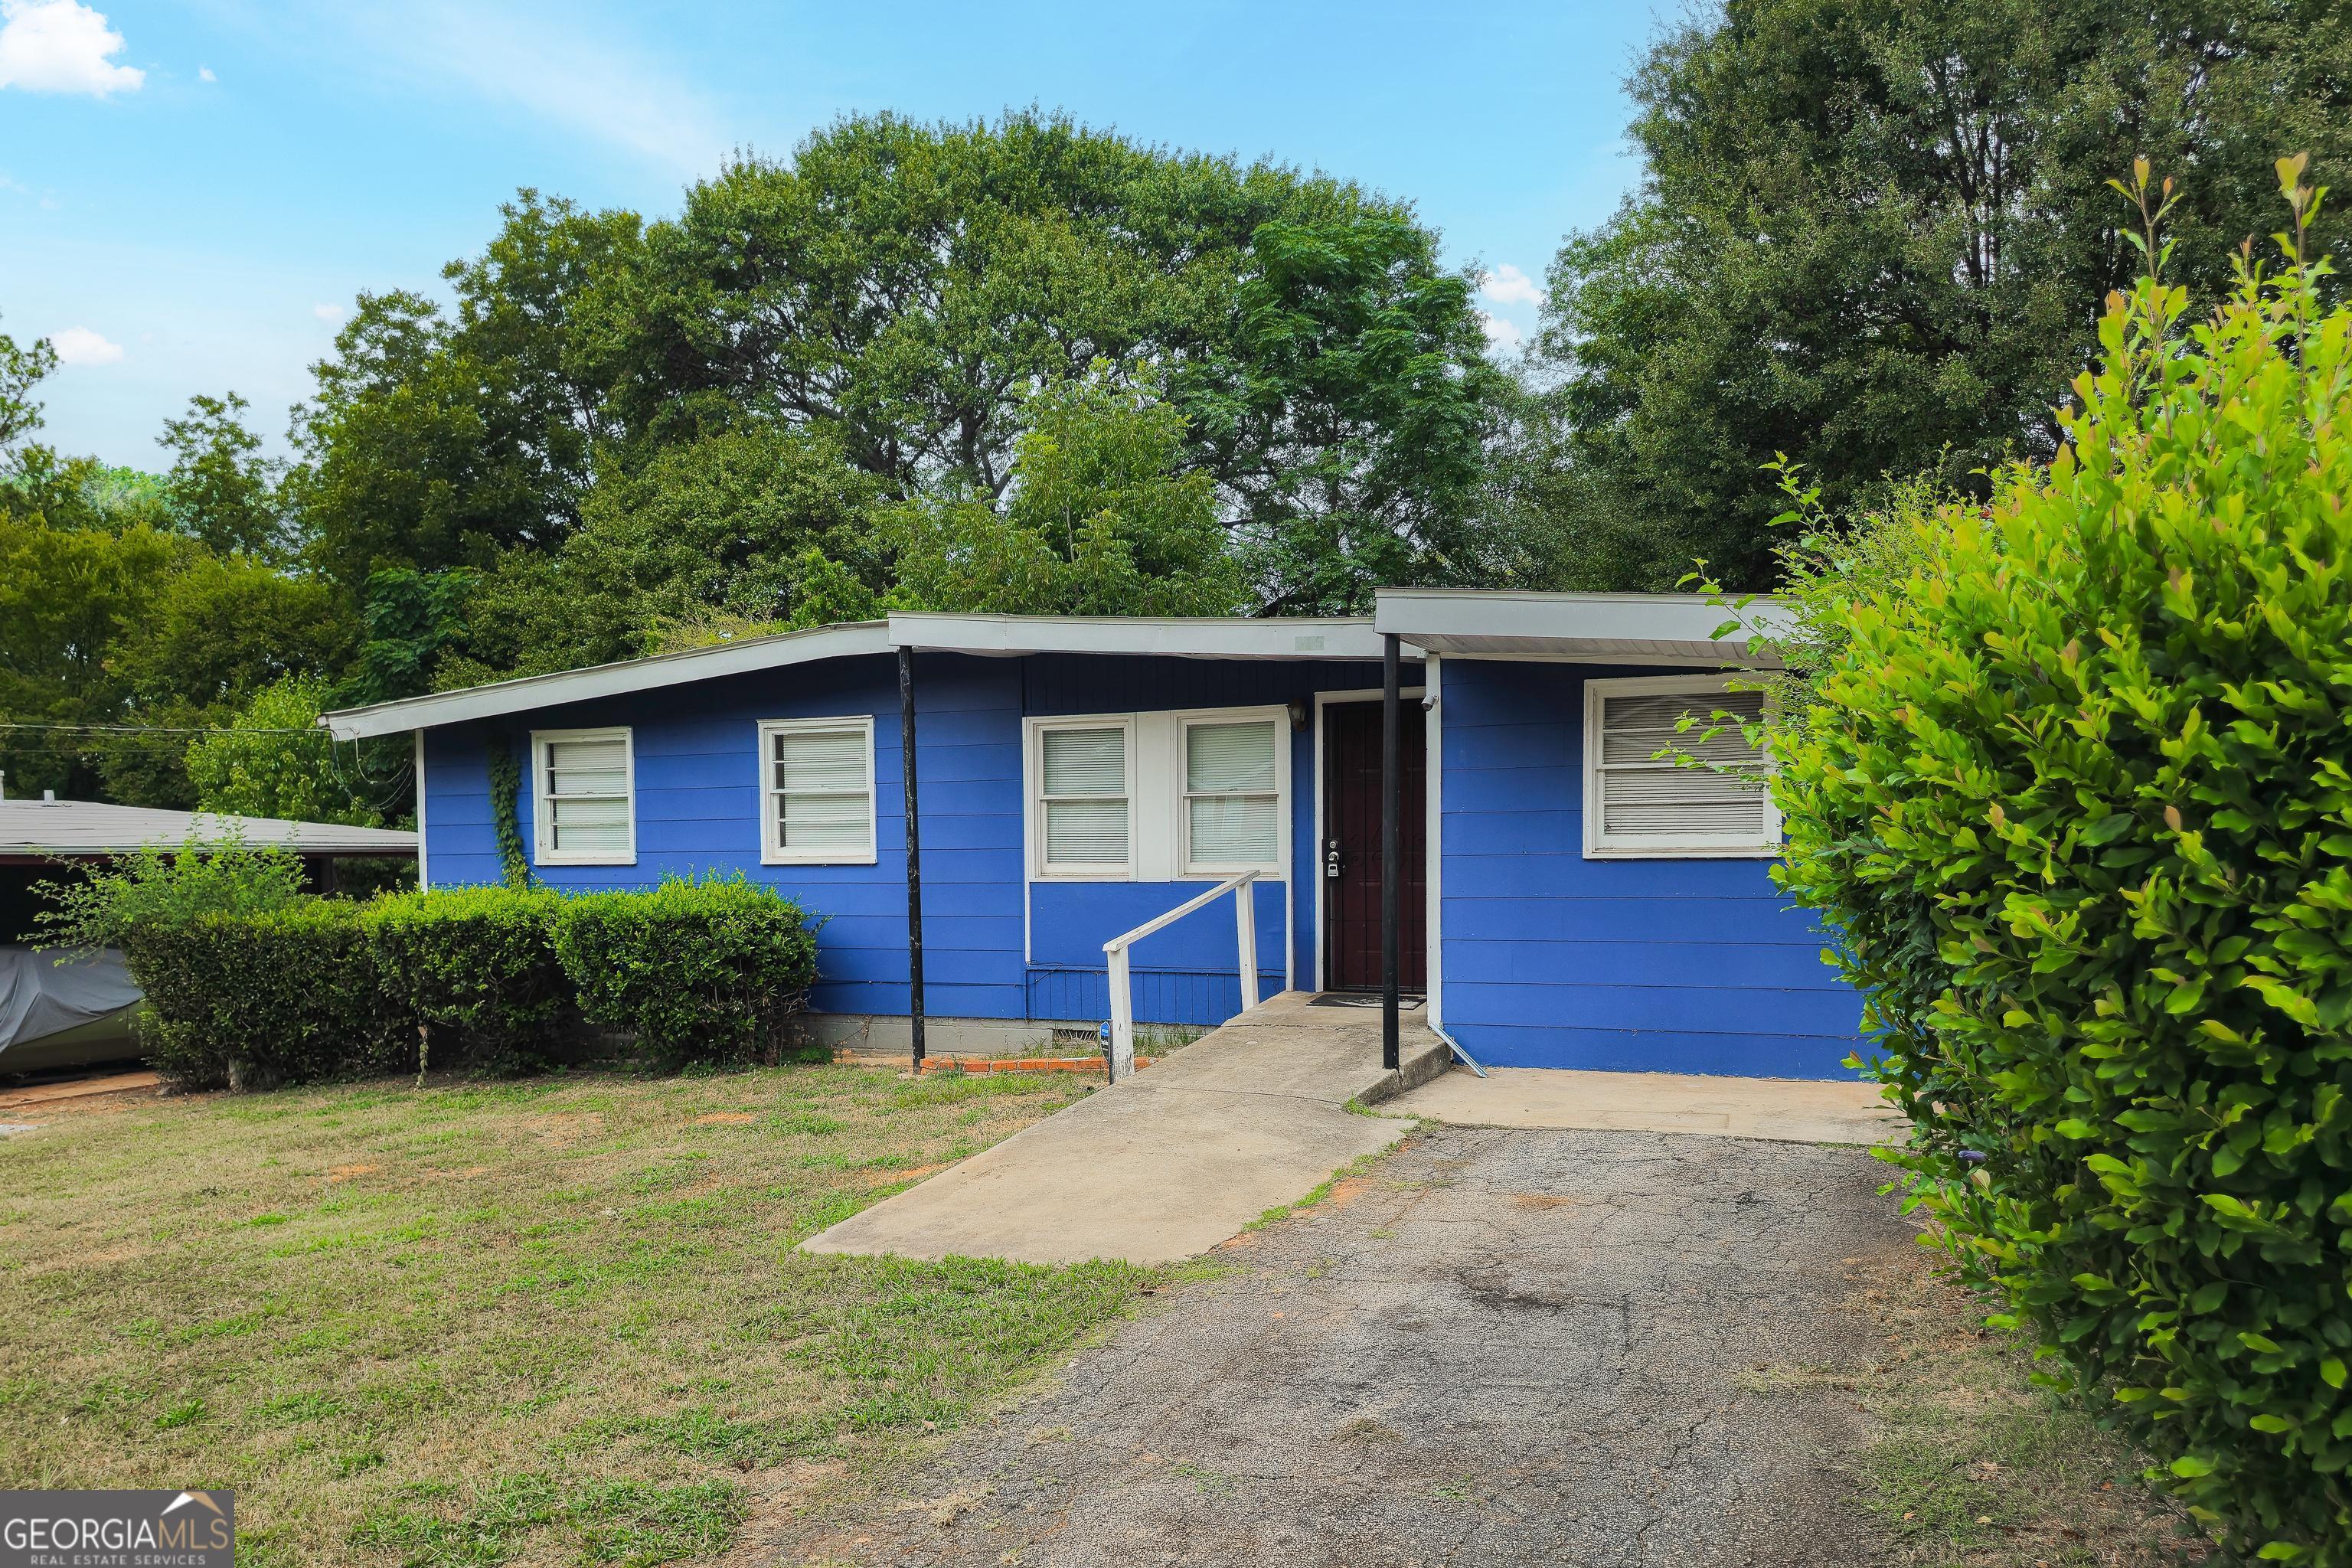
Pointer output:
x,y
1561,899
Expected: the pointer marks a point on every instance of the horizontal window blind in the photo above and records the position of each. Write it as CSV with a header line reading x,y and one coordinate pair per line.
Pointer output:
x,y
1229,787
1081,780
823,799
1644,800
586,793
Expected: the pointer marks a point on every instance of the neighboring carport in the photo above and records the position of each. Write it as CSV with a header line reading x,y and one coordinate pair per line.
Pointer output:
x,y
59,1010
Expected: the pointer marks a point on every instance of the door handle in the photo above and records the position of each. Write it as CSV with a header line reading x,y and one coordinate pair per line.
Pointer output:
x,y
1332,859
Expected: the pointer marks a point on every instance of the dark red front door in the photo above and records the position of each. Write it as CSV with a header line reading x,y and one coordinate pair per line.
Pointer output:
x,y
1352,847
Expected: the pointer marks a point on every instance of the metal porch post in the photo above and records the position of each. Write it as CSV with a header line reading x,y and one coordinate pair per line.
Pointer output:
x,y
1391,851
914,856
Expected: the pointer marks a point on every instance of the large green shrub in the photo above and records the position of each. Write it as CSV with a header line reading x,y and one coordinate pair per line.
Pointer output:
x,y
2074,785
700,970
478,965
276,997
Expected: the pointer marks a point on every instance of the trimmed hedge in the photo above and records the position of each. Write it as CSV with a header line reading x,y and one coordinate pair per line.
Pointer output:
x,y
254,1000
478,965
2076,793
700,970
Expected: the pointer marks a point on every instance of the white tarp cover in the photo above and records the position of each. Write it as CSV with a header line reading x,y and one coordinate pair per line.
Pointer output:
x,y
40,996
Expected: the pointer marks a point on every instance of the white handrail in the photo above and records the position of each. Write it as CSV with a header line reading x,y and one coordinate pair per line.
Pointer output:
x,y
1122,984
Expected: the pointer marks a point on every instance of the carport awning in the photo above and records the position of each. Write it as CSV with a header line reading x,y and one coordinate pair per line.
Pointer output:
x,y
41,830
1587,629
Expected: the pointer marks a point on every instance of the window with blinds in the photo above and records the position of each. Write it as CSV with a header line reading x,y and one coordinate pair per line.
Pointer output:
x,y
582,808
1085,813
1639,803
1231,807
816,776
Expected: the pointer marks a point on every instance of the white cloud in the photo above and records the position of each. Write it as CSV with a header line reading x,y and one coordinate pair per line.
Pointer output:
x,y
79,345
1502,335
61,46
1507,285
328,313
204,73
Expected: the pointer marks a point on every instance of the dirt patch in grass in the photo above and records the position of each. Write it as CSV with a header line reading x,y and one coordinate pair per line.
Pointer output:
x,y
597,1346
1976,1466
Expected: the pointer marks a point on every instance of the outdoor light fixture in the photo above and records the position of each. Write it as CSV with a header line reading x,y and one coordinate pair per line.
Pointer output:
x,y
1298,715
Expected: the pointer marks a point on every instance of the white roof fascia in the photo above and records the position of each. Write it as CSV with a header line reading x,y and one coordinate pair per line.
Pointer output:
x,y
1602,629
535,691
1176,637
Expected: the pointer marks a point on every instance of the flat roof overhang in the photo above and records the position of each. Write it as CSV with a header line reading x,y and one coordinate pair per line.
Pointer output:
x,y
1677,629
1282,638
1007,637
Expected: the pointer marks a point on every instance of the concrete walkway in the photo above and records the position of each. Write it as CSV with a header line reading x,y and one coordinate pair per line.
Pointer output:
x,y
1781,1110
1172,1162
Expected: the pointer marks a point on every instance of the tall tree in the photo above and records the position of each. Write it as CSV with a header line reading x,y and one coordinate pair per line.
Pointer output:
x,y
22,369
221,489
1876,235
905,287
730,526
1101,520
66,593
435,440
1348,420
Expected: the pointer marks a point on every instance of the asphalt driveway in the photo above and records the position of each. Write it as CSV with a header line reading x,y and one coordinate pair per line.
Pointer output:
x,y
1501,1347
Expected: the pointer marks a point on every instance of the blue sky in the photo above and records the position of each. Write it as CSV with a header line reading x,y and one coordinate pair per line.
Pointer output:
x,y
191,194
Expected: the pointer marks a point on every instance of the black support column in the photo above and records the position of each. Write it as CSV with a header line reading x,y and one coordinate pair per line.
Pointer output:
x,y
1392,850
914,849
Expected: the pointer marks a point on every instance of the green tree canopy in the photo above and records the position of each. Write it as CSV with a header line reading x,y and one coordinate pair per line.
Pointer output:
x,y
437,439
1876,235
905,288
22,369
221,490
65,594
271,760
729,525
1100,519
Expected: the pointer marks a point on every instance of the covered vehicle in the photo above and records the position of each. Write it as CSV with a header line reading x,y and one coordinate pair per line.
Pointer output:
x,y
62,1009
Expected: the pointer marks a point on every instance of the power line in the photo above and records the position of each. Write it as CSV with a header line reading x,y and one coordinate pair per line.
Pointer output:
x,y
167,729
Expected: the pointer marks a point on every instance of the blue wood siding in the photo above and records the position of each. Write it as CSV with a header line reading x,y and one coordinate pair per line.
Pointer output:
x,y
698,810
1186,973
697,806
1552,960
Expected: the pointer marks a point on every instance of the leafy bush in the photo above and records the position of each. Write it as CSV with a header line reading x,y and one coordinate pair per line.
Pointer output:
x,y
701,970
151,886
2075,787
479,964
281,995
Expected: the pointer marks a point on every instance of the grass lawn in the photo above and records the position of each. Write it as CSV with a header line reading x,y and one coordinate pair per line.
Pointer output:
x,y
554,1320
1977,1466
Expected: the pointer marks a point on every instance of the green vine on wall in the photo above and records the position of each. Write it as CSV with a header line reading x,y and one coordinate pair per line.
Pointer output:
x,y
505,788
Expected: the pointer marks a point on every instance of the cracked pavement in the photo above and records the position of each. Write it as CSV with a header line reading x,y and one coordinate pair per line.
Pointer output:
x,y
1499,1347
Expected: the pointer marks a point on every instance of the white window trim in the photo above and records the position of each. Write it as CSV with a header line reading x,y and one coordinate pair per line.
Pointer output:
x,y
1180,819
772,851
543,818
1033,794
1597,845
